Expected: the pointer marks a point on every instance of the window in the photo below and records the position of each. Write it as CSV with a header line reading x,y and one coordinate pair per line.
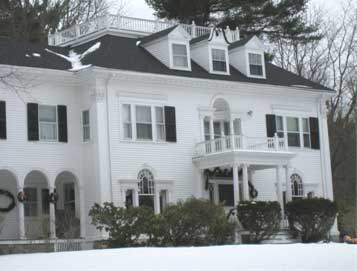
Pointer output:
x,y
306,133
207,130
160,123
219,62
30,205
179,55
297,188
47,116
217,129
255,64
280,126
143,123
127,121
69,197
146,188
45,201
86,125
293,131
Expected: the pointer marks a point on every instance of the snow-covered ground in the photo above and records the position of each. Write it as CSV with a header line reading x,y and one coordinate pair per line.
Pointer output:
x,y
297,257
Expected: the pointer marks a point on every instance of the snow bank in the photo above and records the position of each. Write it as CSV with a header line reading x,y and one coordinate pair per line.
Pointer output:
x,y
297,257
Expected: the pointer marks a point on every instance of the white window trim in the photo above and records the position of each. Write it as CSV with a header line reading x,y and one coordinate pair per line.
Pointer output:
x,y
172,66
210,47
152,123
248,64
87,125
39,122
133,122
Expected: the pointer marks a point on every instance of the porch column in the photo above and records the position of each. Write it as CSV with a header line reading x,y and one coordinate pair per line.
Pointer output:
x,y
235,184
288,183
136,198
52,216
279,188
82,214
157,202
245,182
231,130
123,198
22,232
211,128
202,126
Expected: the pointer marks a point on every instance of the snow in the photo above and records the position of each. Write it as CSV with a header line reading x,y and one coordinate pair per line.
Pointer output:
x,y
76,59
138,42
36,55
293,257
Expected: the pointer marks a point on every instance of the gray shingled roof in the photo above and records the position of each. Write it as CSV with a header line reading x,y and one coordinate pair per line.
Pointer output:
x,y
122,53
157,35
240,43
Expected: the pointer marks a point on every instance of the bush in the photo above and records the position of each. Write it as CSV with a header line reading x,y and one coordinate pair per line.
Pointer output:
x,y
196,222
312,219
260,218
125,226
67,224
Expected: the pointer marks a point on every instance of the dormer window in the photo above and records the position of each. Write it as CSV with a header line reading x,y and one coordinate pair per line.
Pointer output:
x,y
180,57
256,64
219,60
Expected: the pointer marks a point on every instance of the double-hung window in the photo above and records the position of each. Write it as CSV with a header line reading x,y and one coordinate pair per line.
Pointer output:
x,y
30,205
69,197
160,123
179,56
207,130
280,126
219,60
47,116
86,125
127,121
293,131
143,123
255,64
306,132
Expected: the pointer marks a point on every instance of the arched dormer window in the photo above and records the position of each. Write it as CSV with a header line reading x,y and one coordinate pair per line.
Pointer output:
x,y
297,186
146,187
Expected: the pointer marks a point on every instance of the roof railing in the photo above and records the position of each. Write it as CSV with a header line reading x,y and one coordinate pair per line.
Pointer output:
x,y
128,25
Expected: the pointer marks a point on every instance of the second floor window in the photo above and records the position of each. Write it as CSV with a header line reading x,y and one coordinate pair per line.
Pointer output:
x,y
179,56
219,61
47,116
127,121
306,132
160,123
86,125
293,131
143,123
255,64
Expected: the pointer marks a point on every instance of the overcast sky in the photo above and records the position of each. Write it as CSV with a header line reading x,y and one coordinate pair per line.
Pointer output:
x,y
138,8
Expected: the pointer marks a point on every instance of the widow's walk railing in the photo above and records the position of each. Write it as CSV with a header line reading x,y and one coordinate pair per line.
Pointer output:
x,y
240,142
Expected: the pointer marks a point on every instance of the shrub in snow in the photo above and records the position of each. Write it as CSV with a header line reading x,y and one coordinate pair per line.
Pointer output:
x,y
312,218
126,227
195,222
67,224
261,219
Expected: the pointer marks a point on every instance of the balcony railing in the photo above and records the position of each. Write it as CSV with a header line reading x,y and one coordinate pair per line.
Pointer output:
x,y
136,26
240,142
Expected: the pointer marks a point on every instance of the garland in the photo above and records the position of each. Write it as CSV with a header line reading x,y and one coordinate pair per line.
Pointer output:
x,y
12,203
21,196
53,197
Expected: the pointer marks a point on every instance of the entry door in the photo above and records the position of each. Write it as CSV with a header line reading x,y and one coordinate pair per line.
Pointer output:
x,y
226,195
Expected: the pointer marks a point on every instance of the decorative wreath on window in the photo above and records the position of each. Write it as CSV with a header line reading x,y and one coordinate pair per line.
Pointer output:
x,y
12,203
21,196
53,197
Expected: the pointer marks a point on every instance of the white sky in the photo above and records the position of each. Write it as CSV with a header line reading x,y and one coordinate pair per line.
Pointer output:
x,y
139,8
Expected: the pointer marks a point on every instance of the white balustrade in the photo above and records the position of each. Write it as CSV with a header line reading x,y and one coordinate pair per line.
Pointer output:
x,y
240,142
137,26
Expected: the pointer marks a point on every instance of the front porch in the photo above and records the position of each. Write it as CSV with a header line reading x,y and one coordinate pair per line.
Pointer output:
x,y
228,164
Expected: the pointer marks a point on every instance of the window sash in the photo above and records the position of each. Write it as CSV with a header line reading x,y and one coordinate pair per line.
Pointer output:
x,y
86,125
47,123
127,126
255,64
219,61
179,55
143,122
31,204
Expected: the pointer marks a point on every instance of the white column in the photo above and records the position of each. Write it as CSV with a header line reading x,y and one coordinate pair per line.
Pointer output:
x,y
245,183
211,128
135,198
123,198
288,183
52,216
157,202
279,187
202,126
169,196
83,212
235,184
231,127
21,213
200,183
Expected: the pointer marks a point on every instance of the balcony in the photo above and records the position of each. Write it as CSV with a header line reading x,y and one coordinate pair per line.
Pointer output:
x,y
135,27
263,152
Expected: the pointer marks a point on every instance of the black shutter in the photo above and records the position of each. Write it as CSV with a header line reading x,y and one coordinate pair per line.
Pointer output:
x,y
170,124
32,122
62,123
271,125
2,120
315,135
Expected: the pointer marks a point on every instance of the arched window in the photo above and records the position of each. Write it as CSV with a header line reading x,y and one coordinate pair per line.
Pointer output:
x,y
146,188
297,187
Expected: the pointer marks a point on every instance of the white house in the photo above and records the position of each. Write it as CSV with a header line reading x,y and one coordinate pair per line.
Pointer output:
x,y
159,117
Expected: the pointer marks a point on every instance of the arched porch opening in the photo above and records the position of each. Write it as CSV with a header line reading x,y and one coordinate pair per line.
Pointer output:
x,y
67,206
36,206
8,219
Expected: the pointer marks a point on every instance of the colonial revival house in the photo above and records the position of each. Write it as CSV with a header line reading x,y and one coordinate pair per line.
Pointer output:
x,y
164,113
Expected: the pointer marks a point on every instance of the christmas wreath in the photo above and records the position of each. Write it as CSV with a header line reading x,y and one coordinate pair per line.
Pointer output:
x,y
12,203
